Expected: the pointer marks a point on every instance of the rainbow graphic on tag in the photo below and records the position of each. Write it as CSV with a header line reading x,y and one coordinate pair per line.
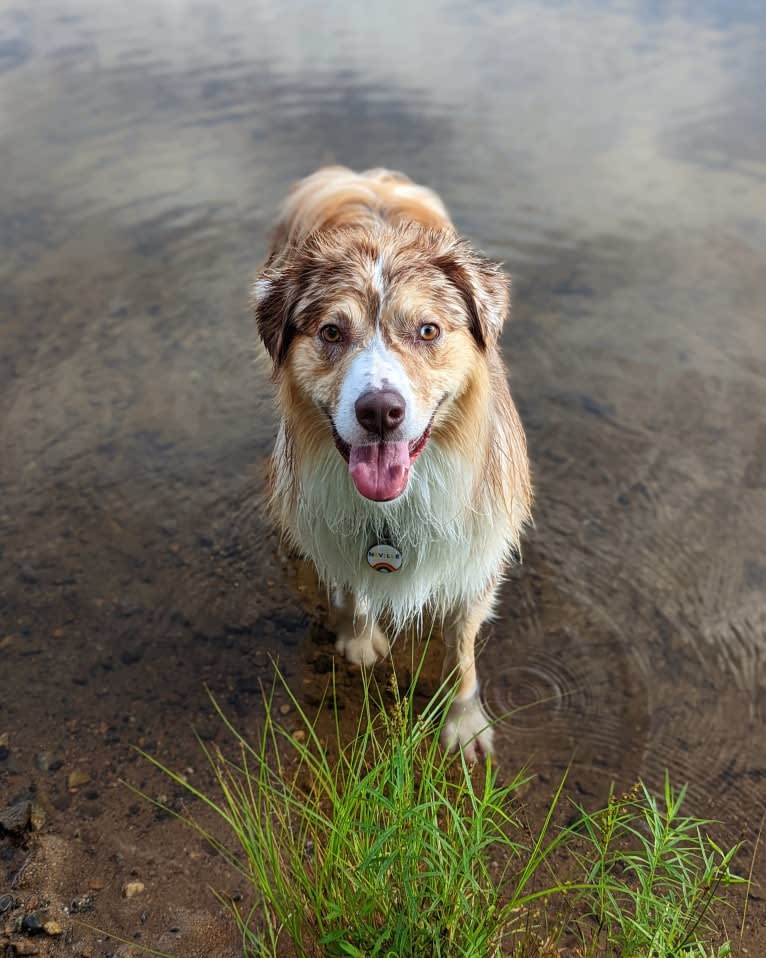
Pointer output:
x,y
384,558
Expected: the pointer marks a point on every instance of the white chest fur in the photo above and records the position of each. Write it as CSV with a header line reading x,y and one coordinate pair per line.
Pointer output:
x,y
452,543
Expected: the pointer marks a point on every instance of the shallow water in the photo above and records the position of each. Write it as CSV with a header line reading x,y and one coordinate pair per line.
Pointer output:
x,y
614,156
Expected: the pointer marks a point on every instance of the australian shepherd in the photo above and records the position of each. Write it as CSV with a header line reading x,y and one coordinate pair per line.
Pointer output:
x,y
400,468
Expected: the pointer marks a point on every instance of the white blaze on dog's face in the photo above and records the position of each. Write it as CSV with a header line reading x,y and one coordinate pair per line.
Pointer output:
x,y
374,337
380,421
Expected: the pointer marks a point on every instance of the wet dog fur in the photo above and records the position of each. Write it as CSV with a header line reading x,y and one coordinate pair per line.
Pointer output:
x,y
397,424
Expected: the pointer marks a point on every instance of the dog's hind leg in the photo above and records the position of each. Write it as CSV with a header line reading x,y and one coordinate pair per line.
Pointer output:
x,y
358,635
466,725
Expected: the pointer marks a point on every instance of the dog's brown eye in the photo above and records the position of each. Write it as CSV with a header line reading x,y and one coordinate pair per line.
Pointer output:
x,y
429,332
330,333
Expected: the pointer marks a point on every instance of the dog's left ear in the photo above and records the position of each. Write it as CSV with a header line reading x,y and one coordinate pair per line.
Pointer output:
x,y
485,290
269,301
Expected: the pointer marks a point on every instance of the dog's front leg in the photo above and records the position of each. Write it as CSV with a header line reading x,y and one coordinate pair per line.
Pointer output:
x,y
466,725
358,635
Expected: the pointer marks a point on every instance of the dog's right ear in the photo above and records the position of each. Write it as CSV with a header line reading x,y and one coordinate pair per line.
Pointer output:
x,y
269,300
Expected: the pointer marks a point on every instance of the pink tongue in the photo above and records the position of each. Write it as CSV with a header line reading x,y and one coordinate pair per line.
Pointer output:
x,y
380,470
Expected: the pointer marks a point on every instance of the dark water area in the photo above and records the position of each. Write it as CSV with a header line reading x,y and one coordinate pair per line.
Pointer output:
x,y
612,155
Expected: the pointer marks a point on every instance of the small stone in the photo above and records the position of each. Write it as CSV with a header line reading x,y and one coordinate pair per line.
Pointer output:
x,y
31,924
95,884
38,815
81,904
76,779
15,818
7,902
53,928
299,735
42,761
25,948
284,709
132,888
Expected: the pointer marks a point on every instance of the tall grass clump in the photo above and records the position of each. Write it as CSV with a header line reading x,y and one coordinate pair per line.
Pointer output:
x,y
384,846
651,877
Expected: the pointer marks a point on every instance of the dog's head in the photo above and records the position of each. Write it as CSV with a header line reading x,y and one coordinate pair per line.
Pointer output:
x,y
379,330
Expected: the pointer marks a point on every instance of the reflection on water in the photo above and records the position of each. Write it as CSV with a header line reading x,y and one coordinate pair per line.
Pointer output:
x,y
614,157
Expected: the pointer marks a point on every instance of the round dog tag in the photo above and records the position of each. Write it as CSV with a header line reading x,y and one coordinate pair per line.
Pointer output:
x,y
384,557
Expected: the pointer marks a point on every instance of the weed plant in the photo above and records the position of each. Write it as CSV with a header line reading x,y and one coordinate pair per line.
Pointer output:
x,y
386,847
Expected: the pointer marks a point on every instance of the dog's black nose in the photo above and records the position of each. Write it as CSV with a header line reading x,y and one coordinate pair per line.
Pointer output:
x,y
380,411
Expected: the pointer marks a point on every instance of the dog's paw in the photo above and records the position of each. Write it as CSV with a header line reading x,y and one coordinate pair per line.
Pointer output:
x,y
364,650
467,727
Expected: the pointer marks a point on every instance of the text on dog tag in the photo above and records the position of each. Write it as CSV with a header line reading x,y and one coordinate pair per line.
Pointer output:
x,y
384,557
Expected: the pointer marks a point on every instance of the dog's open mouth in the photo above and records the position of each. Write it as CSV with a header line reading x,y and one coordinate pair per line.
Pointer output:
x,y
380,470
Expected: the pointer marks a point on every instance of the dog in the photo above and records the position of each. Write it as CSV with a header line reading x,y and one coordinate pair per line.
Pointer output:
x,y
400,467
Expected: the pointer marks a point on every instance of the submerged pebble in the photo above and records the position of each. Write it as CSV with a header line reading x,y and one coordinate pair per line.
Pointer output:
x,y
132,888
24,948
15,818
31,924
77,778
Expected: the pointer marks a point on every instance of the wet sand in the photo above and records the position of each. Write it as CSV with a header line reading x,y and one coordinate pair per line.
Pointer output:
x,y
614,159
